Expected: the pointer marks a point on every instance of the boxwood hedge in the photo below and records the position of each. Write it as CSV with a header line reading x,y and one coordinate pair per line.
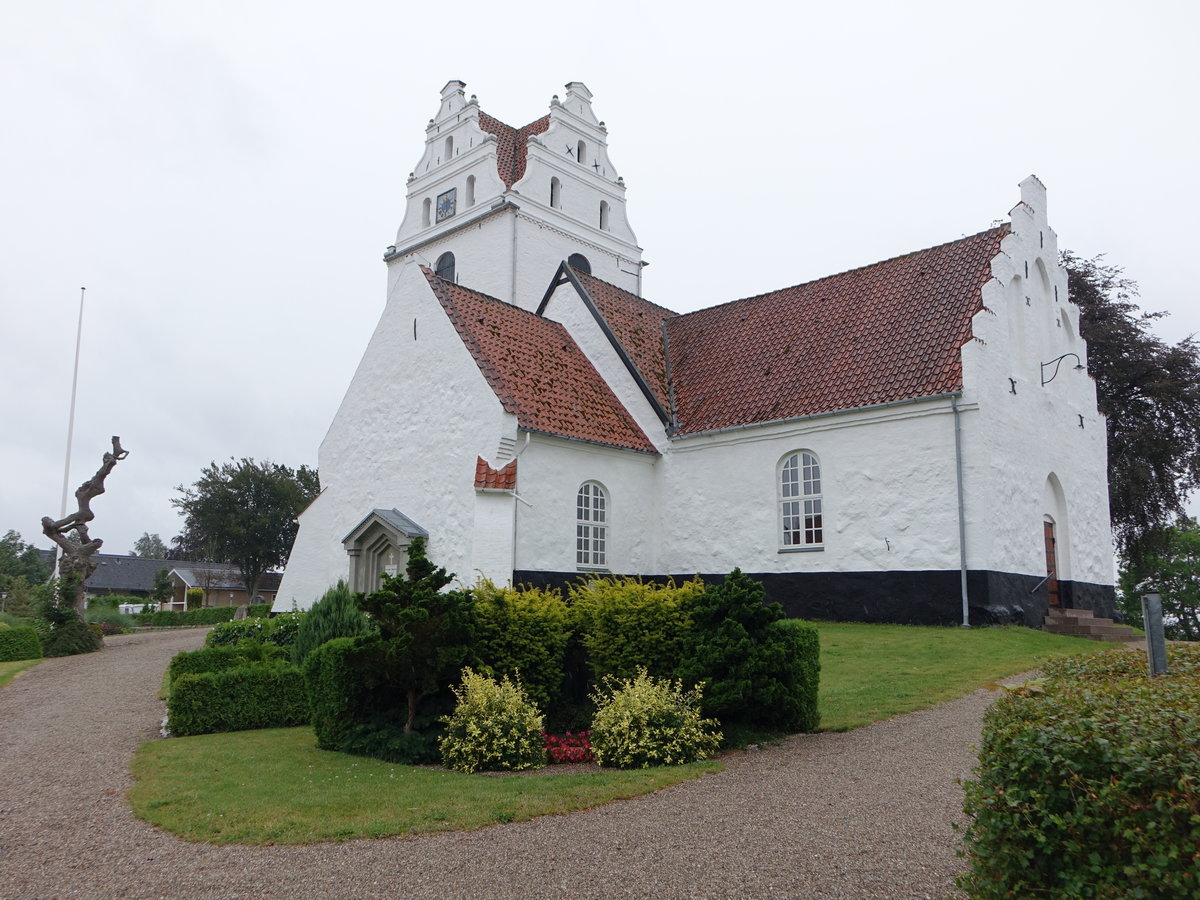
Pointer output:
x,y
261,695
19,643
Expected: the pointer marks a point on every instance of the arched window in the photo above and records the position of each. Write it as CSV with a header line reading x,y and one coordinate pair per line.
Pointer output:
x,y
470,196
604,215
591,525
579,263
801,515
445,266
556,193
426,209
449,149
581,152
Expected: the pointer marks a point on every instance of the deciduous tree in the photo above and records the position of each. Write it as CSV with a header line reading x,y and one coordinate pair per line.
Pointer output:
x,y
149,546
244,512
1150,392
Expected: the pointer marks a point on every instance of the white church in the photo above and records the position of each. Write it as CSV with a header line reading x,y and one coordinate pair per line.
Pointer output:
x,y
913,441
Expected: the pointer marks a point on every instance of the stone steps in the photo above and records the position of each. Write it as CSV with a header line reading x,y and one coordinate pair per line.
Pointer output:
x,y
1085,624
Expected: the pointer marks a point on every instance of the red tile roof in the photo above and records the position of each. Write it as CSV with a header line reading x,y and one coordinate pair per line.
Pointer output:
x,y
888,331
537,370
637,325
502,479
511,145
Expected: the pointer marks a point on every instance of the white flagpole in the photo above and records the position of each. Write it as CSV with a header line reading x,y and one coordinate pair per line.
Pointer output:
x,y
62,514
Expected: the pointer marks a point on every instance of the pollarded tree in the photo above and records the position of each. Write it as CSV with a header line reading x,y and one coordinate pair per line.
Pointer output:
x,y
1150,392
428,633
244,512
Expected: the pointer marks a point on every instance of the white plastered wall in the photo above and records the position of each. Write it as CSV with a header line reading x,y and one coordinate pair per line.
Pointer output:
x,y
1019,434
415,417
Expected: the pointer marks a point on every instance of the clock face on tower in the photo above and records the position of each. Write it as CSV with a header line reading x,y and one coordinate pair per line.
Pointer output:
x,y
446,203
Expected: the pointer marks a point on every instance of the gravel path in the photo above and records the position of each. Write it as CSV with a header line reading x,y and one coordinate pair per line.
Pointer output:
x,y
857,815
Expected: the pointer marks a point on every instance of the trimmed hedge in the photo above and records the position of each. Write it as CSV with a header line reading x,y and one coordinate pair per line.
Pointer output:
x,y
259,610
627,624
209,615
1089,785
280,630
254,696
523,633
19,643
335,677
220,659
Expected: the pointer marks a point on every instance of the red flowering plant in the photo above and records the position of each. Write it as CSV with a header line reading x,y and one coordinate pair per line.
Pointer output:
x,y
569,748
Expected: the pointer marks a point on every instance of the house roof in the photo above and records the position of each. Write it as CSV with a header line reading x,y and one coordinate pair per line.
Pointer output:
x,y
537,371
636,324
885,332
118,573
511,145
489,479
216,576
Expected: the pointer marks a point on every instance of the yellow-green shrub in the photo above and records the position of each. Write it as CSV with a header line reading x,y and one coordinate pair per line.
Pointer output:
x,y
626,623
645,721
494,726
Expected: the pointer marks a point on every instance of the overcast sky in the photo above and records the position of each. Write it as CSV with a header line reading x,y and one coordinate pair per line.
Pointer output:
x,y
224,177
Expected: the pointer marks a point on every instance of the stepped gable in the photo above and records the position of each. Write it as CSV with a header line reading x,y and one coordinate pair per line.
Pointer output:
x,y
886,332
637,325
537,370
512,144
489,479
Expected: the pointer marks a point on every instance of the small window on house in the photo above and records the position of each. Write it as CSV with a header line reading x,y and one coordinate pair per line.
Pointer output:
x,y
445,266
591,526
604,215
801,515
470,192
556,193
581,152
449,149
426,209
579,263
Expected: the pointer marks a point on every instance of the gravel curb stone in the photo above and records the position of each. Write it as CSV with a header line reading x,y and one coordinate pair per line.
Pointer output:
x,y
863,814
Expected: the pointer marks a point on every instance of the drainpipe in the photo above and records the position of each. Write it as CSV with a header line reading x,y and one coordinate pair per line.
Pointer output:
x,y
962,517
517,497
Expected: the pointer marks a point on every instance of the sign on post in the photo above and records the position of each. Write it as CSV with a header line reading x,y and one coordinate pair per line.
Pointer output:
x,y
1156,643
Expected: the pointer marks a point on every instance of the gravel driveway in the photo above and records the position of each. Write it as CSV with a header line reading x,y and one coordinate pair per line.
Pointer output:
x,y
857,815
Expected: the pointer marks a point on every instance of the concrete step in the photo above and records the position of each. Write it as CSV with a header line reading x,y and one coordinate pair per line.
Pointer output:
x,y
1083,623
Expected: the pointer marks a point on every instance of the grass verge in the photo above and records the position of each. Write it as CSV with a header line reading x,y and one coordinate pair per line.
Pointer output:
x,y
276,787
874,672
10,669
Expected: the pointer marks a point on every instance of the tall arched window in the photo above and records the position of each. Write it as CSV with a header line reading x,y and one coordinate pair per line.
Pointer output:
x,y
579,263
556,193
426,209
591,525
581,152
445,266
801,516
470,195
449,149
604,215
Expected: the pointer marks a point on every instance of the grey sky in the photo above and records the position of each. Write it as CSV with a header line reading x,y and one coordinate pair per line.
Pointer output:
x,y
224,178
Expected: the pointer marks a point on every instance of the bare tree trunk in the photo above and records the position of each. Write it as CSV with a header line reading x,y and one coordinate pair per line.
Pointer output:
x,y
76,565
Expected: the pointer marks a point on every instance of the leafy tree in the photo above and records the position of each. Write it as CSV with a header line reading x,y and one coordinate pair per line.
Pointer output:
x,y
1173,566
162,589
149,546
244,512
428,633
18,559
1150,392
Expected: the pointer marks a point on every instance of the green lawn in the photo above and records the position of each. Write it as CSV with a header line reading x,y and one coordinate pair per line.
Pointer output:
x,y
274,786
9,670
873,672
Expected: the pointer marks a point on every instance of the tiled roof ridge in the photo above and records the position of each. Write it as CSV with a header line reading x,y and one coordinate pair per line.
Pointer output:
x,y
1004,227
627,293
512,144
605,421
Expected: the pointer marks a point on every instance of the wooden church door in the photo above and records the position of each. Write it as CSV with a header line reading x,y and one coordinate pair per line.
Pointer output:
x,y
1051,565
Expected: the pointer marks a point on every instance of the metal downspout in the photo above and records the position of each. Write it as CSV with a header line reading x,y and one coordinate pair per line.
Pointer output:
x,y
962,517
